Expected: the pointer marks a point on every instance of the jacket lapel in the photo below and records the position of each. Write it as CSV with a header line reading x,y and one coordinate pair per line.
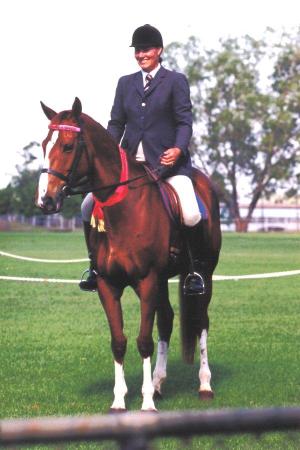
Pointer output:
x,y
138,81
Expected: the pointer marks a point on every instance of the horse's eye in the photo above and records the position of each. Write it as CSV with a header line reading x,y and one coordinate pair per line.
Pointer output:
x,y
68,147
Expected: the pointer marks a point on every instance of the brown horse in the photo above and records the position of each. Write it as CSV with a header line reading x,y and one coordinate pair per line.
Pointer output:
x,y
135,249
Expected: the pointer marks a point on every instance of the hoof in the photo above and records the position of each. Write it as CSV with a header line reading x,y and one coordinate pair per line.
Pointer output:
x,y
157,395
206,395
117,410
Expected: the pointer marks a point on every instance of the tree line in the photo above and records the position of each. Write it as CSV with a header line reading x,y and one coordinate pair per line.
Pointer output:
x,y
246,105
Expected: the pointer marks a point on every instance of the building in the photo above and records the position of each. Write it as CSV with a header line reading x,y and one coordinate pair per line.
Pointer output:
x,y
269,216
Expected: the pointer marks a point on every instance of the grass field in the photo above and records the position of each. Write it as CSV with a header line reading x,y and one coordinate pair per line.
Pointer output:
x,y
55,344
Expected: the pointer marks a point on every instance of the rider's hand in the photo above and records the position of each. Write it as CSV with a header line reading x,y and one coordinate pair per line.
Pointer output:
x,y
170,156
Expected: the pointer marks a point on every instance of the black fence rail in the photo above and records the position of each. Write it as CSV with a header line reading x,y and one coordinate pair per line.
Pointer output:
x,y
136,430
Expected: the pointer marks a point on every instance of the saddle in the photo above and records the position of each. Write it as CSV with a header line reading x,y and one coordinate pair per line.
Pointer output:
x,y
171,200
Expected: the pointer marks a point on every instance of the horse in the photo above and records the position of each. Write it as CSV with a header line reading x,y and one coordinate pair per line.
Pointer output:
x,y
135,248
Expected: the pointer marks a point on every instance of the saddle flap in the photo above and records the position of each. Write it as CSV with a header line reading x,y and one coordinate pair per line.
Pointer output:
x,y
169,196
171,202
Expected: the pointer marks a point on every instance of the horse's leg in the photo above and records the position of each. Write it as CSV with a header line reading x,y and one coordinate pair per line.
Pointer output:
x,y
194,326
110,299
120,388
148,293
205,390
165,317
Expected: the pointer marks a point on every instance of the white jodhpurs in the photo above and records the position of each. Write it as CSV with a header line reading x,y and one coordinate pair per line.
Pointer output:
x,y
185,190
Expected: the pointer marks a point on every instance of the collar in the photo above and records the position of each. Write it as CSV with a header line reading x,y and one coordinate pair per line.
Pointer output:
x,y
153,73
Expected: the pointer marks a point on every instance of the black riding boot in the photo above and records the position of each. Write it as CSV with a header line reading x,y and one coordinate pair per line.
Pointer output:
x,y
90,283
194,282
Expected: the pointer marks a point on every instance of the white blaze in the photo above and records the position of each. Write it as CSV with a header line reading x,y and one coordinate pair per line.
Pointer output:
x,y
43,180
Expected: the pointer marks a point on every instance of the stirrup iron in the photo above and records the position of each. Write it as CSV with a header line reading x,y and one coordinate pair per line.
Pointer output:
x,y
83,280
188,279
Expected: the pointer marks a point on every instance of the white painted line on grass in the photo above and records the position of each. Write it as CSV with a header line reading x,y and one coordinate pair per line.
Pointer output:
x,y
173,280
25,258
63,261
38,280
256,276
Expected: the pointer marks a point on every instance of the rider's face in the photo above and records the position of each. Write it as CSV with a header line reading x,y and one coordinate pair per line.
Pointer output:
x,y
148,58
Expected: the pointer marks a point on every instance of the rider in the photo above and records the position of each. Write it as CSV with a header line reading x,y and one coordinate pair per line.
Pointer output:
x,y
152,117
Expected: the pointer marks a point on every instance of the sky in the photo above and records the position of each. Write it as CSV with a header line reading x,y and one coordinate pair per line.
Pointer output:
x,y
56,50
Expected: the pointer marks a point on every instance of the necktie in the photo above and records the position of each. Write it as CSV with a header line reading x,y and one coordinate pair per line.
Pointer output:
x,y
149,78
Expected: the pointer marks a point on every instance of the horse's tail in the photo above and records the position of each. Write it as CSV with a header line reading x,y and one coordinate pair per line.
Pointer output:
x,y
193,317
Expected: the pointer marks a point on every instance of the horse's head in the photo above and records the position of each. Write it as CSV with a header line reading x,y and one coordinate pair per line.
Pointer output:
x,y
65,158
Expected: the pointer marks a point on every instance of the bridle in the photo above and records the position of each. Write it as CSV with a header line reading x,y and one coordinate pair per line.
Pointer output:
x,y
72,182
71,179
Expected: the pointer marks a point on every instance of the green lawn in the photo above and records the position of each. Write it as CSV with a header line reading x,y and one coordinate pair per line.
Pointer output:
x,y
55,344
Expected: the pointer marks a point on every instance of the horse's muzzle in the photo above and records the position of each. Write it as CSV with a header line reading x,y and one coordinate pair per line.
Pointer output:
x,y
50,205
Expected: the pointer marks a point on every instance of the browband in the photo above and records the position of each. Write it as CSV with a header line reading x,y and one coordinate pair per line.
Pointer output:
x,y
62,127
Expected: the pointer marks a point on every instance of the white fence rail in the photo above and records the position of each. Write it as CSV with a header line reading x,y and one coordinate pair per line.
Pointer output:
x,y
54,221
57,221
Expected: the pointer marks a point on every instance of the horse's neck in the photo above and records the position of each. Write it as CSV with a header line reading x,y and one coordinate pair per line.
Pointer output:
x,y
107,165
104,153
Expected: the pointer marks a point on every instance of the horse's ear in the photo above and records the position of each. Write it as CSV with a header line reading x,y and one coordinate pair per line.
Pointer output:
x,y
77,108
48,111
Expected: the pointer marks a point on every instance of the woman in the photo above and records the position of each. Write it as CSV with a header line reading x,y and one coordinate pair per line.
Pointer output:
x,y
152,117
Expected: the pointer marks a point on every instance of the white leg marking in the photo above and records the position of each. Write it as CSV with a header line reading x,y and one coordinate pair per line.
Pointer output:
x,y
147,388
204,372
160,371
120,389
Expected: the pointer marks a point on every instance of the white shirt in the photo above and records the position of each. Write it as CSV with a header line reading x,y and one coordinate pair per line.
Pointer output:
x,y
152,73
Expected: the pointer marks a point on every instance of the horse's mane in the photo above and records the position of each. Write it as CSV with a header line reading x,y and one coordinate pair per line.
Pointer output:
x,y
90,122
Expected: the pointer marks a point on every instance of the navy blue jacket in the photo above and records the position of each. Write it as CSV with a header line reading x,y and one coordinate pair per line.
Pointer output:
x,y
161,118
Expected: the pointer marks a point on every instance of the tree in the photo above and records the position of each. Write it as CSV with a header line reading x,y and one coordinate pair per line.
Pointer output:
x,y
6,200
18,196
246,131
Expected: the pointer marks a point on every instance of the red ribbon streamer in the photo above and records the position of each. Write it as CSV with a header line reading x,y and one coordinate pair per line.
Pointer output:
x,y
120,192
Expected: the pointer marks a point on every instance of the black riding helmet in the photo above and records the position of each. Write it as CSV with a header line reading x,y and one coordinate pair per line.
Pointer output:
x,y
146,36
